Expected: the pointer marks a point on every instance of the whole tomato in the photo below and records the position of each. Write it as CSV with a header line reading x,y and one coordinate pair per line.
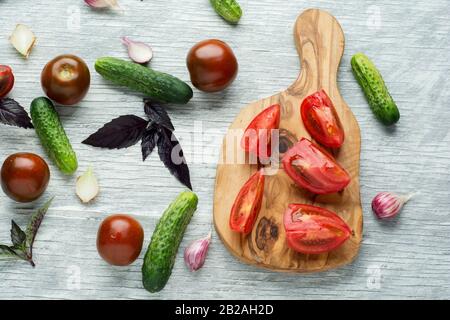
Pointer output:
x,y
119,239
6,80
212,65
24,176
66,79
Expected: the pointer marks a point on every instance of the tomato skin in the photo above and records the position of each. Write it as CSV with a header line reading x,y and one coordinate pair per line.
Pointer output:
x,y
66,79
247,205
321,120
212,65
314,169
24,176
313,230
6,80
119,239
257,137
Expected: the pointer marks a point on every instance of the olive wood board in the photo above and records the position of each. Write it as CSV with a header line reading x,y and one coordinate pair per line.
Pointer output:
x,y
320,42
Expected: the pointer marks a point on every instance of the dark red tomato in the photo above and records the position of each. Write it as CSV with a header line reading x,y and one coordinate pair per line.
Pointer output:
x,y
66,79
313,169
257,136
212,65
247,205
321,120
6,80
314,230
119,239
24,176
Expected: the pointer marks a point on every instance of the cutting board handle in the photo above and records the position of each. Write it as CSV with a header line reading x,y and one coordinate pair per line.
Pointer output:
x,y
320,42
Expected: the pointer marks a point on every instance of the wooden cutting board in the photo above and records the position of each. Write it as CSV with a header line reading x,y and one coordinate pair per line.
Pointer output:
x,y
320,43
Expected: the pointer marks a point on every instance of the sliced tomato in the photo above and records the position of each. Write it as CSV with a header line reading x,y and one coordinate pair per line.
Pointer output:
x,y
314,169
321,120
314,230
247,205
257,136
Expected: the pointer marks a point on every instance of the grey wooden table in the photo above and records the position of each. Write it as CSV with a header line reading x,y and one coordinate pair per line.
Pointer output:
x,y
409,41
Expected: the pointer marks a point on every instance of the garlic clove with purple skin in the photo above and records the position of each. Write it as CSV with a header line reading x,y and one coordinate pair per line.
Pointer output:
x,y
113,4
138,51
387,205
195,253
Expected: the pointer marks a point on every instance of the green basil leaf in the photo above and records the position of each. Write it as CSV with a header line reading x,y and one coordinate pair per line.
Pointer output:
x,y
7,252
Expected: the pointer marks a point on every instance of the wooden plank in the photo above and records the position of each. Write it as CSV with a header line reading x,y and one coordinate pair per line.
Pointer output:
x,y
406,258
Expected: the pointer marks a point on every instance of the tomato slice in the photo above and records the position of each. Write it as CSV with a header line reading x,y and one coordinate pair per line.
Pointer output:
x,y
314,230
257,136
247,205
314,169
321,120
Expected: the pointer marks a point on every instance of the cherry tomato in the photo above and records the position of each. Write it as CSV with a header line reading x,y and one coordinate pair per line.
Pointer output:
x,y
119,239
66,79
6,80
247,205
314,230
314,169
257,136
212,65
321,120
24,176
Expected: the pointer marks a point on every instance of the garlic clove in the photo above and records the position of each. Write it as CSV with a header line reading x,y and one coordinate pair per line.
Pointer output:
x,y
138,51
388,205
23,39
113,4
87,186
195,253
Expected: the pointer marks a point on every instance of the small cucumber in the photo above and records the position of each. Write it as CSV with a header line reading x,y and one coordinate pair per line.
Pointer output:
x,y
372,83
157,85
230,10
52,135
162,251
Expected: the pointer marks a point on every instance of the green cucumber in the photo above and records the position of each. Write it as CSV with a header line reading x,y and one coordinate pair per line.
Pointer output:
x,y
157,85
230,10
162,251
377,94
52,135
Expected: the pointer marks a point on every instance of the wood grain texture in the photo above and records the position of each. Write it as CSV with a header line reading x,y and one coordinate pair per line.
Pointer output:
x,y
320,43
407,258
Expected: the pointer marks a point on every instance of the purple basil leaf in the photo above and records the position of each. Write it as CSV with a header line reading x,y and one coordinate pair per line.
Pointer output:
x,y
34,224
13,114
122,132
171,155
157,114
18,237
148,142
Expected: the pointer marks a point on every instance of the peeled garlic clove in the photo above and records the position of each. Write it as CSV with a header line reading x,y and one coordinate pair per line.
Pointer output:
x,y
87,186
387,204
23,39
138,51
113,4
195,253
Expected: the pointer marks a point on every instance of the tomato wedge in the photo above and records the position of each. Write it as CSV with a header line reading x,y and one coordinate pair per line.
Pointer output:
x,y
257,136
314,230
314,169
247,205
321,120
